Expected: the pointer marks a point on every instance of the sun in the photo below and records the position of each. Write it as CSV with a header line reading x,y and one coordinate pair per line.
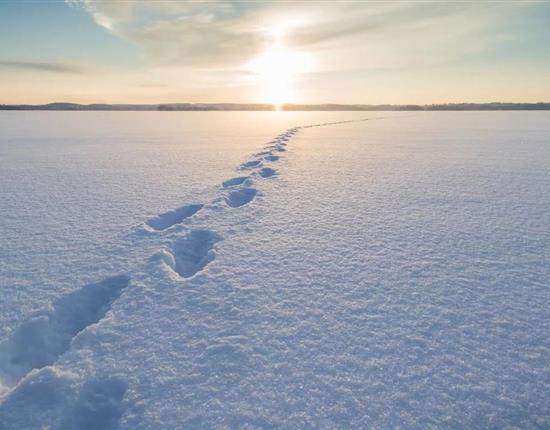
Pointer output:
x,y
278,69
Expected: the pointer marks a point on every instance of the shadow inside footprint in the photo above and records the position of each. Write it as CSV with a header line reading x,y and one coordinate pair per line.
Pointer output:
x,y
272,157
239,198
38,399
170,218
267,172
98,406
40,340
251,164
234,181
193,252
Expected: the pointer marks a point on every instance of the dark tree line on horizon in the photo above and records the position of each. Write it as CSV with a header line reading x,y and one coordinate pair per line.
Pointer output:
x,y
286,107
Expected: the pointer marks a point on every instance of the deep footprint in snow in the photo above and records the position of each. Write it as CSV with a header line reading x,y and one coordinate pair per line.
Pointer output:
x,y
194,252
267,172
234,181
45,393
170,218
241,197
98,406
272,157
39,341
251,164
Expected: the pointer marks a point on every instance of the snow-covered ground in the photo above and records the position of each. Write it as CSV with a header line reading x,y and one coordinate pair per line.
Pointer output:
x,y
238,270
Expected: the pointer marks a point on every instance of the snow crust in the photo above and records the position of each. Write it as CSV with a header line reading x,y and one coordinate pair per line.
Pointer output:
x,y
381,272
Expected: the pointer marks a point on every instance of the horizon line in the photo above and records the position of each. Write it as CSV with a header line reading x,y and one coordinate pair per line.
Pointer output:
x,y
231,106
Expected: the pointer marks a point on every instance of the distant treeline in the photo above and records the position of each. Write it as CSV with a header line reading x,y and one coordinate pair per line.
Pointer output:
x,y
286,107
447,106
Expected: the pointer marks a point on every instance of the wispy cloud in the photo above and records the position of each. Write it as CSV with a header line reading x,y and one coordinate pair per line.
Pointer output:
x,y
222,34
360,49
359,20
45,67
198,33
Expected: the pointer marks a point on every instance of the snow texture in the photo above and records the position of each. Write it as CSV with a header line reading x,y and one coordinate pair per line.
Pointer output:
x,y
383,272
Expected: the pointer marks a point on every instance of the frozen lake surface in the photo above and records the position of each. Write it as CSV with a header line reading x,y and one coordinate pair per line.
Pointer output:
x,y
167,270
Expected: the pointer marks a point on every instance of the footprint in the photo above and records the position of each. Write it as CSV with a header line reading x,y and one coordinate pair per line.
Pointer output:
x,y
241,197
272,157
38,399
259,154
267,172
280,149
168,219
98,406
194,252
250,164
234,181
39,341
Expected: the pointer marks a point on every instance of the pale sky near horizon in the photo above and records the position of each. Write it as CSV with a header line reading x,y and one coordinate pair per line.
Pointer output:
x,y
396,52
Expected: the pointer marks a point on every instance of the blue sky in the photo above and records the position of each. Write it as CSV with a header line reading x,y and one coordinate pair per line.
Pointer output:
x,y
304,52
53,32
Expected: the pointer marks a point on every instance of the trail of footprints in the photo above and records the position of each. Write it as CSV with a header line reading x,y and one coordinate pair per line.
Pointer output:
x,y
45,336
41,340
193,252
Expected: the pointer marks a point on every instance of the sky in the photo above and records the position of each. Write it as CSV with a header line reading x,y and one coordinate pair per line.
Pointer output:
x,y
371,52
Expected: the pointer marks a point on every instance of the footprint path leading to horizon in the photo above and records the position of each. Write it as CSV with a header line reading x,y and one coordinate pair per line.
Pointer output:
x,y
45,336
192,253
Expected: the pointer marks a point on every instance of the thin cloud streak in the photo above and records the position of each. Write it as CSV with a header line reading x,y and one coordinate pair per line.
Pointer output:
x,y
45,67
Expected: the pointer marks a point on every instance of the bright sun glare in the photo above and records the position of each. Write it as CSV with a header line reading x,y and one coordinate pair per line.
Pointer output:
x,y
278,68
